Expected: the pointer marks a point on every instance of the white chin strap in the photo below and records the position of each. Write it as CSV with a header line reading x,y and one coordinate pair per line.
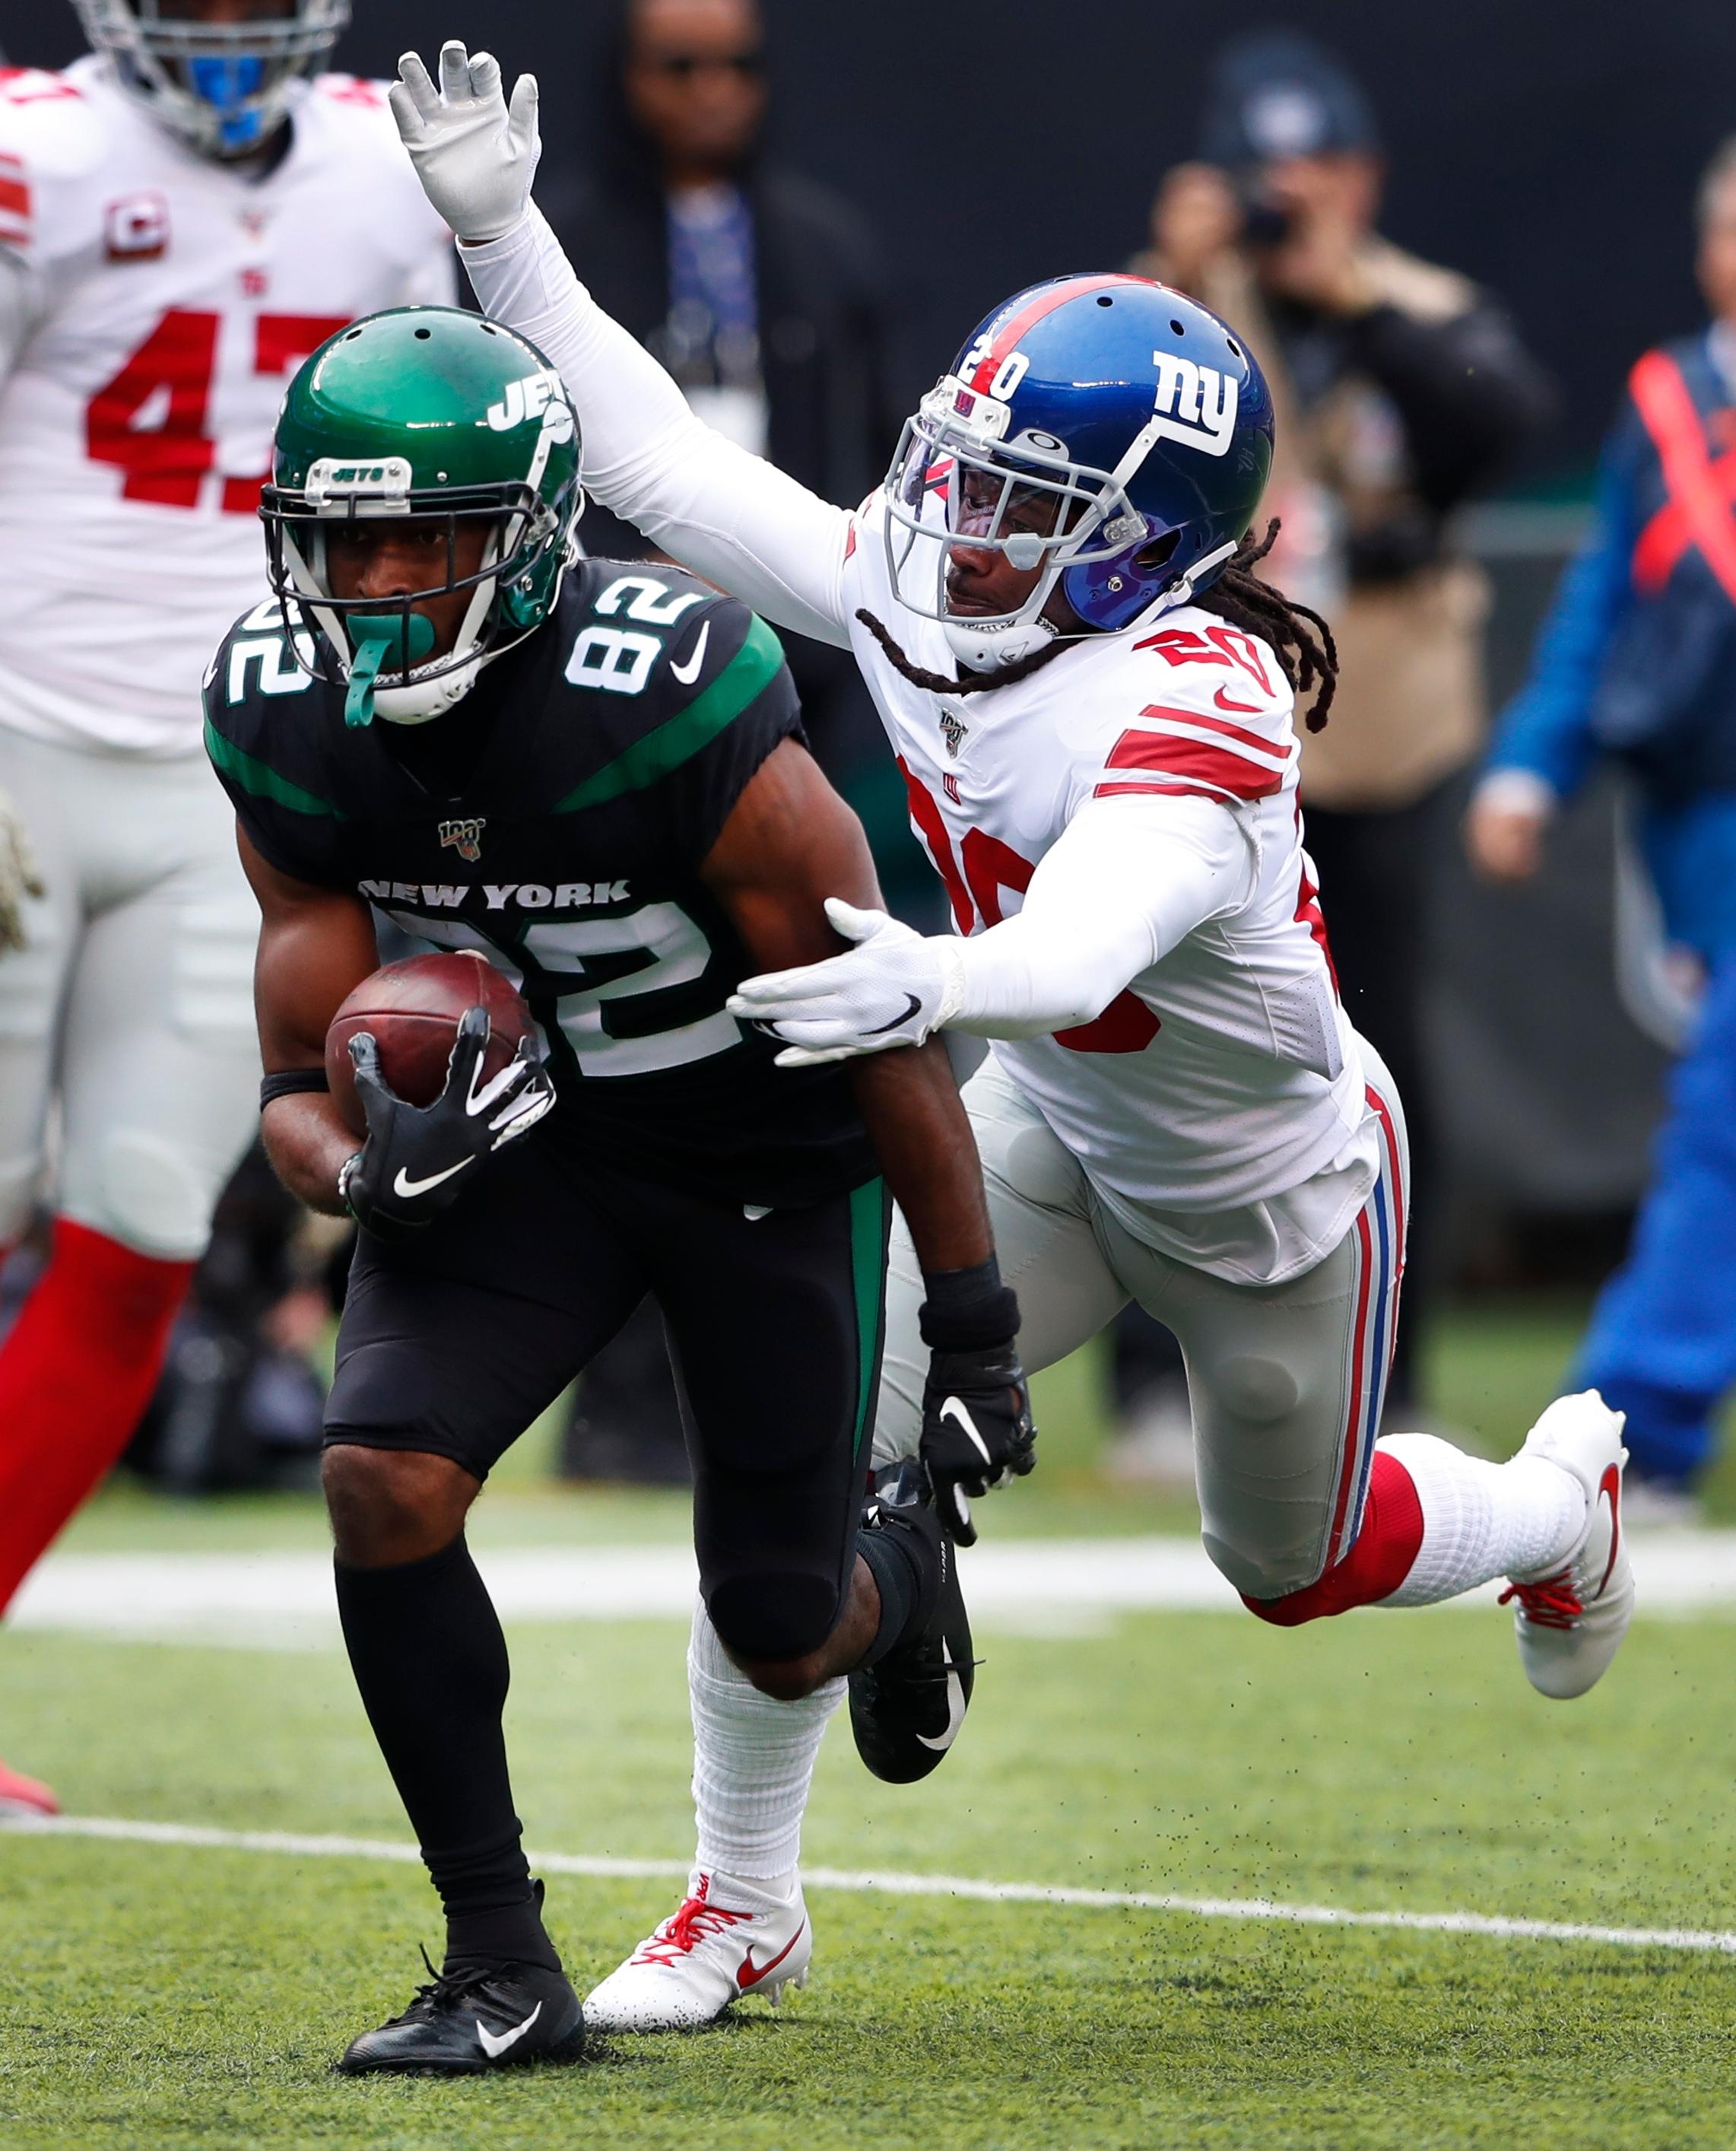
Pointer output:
x,y
983,649
424,700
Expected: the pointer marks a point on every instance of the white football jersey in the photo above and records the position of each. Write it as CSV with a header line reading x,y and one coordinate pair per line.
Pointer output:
x,y
170,299
1218,1105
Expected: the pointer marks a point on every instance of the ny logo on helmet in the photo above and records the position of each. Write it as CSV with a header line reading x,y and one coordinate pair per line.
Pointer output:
x,y
537,395
1195,403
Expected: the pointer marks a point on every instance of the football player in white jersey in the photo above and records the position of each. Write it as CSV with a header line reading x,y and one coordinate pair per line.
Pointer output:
x,y
184,216
1091,698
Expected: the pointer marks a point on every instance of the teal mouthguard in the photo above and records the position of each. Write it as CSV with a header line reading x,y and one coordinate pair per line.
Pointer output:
x,y
379,641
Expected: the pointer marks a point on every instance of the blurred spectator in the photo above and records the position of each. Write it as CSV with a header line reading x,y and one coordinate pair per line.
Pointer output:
x,y
1637,662
239,1403
759,289
761,292
1399,389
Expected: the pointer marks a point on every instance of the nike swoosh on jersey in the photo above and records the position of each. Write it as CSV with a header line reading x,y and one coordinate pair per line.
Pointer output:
x,y
1246,709
408,1187
687,673
954,1411
955,1717
751,1974
495,2043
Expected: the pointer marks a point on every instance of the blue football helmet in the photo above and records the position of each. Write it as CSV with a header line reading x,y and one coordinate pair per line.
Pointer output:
x,y
222,87
1143,417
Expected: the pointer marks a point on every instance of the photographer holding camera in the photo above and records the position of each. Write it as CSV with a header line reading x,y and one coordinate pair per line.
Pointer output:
x,y
1399,389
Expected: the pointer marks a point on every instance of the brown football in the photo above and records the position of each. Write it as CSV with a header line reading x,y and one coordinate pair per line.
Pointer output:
x,y
413,1011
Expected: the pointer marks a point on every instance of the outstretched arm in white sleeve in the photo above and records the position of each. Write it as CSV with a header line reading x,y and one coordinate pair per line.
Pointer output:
x,y
727,515
1127,881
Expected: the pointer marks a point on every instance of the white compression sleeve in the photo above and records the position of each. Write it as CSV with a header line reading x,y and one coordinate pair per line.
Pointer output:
x,y
1127,880
729,516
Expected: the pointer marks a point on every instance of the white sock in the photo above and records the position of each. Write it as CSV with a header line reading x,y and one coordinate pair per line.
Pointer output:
x,y
1481,1520
752,1762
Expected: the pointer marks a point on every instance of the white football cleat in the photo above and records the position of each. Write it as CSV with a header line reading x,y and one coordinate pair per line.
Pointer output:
x,y
1570,1623
728,1939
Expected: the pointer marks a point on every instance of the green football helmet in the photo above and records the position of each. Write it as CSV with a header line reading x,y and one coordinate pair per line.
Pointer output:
x,y
426,412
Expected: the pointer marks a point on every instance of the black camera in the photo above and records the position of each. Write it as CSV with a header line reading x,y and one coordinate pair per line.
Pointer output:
x,y
1265,221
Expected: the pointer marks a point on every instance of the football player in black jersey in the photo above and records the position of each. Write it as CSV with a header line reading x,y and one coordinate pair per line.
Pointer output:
x,y
595,774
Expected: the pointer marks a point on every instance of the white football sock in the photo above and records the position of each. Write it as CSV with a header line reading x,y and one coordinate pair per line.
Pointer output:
x,y
752,1762
1481,1520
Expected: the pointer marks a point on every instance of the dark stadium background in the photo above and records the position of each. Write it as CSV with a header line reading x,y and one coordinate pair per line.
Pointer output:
x,y
1549,148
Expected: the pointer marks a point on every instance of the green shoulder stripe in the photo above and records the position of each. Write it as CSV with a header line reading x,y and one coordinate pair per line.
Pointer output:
x,y
679,738
261,782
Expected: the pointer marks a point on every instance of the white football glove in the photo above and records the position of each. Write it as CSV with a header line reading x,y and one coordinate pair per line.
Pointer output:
x,y
18,876
892,989
475,158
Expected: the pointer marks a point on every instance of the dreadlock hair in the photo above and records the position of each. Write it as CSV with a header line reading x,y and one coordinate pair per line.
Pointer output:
x,y
1300,639
970,683
1307,660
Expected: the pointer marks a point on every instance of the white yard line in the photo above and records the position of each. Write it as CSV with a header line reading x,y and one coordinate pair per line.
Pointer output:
x,y
1055,1587
895,1884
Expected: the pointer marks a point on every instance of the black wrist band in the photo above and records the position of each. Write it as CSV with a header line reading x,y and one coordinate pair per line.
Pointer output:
x,y
288,1081
963,1310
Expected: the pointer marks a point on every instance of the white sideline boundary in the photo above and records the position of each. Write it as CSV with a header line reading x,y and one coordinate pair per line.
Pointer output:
x,y
899,1884
1061,1587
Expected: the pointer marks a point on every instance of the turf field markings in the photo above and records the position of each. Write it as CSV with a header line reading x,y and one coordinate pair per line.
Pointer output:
x,y
894,1883
282,1600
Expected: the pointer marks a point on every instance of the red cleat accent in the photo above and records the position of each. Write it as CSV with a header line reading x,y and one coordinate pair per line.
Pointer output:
x,y
23,1795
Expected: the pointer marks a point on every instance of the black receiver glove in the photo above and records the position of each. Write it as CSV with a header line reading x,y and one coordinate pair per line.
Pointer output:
x,y
418,1158
976,1430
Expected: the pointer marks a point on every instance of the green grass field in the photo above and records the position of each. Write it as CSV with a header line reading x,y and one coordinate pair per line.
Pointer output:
x,y
156,1995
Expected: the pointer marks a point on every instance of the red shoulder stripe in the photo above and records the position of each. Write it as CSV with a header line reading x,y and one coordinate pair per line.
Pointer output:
x,y
1171,756
1241,737
1157,791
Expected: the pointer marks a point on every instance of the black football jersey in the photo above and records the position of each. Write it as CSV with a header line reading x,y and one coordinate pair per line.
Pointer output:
x,y
556,819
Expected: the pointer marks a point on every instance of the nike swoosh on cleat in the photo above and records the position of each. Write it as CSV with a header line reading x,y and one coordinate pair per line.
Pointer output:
x,y
687,673
955,1717
751,1974
1611,1485
904,1016
495,2044
405,1186
954,1411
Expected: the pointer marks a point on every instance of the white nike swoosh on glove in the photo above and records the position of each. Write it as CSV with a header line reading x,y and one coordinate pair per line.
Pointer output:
x,y
687,673
954,1411
408,1187
495,2044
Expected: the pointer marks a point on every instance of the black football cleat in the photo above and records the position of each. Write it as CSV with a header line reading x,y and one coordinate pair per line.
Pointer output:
x,y
467,2023
906,1710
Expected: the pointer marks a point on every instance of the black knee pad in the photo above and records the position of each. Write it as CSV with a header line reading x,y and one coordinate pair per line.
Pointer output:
x,y
774,1616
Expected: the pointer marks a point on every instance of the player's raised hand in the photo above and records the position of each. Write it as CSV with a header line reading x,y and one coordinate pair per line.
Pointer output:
x,y
417,1158
474,154
892,989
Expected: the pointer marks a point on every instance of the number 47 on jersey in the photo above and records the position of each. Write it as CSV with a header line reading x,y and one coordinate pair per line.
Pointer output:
x,y
153,419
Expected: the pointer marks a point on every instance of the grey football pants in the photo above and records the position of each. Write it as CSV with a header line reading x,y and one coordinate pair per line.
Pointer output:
x,y
1285,1381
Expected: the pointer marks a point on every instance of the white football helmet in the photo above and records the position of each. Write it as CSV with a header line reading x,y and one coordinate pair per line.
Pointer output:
x,y
222,87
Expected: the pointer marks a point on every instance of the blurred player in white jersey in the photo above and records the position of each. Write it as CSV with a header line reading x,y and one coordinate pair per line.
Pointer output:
x,y
1091,696
184,216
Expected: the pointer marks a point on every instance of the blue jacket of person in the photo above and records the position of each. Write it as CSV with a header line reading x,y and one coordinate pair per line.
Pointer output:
x,y
1637,657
